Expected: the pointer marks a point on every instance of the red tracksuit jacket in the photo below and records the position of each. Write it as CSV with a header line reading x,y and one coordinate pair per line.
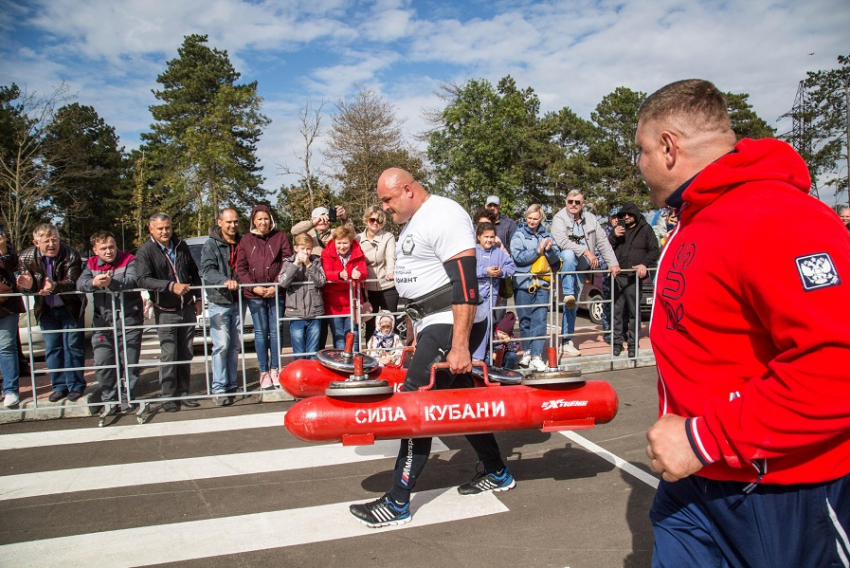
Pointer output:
x,y
750,327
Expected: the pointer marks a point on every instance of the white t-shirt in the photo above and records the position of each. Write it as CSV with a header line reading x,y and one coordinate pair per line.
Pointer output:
x,y
439,230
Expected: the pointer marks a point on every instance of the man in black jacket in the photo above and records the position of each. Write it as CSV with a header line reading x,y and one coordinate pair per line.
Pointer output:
x,y
50,270
164,265
636,247
218,265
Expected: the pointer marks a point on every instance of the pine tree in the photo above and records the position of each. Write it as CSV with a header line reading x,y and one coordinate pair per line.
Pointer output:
x,y
88,184
200,154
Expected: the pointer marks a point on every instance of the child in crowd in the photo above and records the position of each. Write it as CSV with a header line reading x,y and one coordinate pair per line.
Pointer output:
x,y
302,277
493,265
344,263
506,352
385,342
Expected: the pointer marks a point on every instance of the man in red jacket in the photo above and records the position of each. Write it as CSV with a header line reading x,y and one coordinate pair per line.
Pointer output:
x,y
753,440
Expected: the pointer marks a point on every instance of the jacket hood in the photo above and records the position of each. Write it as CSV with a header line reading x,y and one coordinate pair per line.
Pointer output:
x,y
629,207
766,159
215,233
256,209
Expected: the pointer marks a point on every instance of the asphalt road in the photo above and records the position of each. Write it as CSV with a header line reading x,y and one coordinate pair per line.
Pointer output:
x,y
231,487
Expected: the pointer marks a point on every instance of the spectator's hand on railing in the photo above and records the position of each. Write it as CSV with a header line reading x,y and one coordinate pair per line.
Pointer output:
x,y
24,280
615,270
494,271
355,274
641,270
343,274
231,284
390,276
180,288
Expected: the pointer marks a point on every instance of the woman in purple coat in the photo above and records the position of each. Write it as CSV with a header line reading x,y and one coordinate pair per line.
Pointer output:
x,y
259,259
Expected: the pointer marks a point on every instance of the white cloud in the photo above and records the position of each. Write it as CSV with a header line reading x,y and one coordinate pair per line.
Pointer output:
x,y
572,53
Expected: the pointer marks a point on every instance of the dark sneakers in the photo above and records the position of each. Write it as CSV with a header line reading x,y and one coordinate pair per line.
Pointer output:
x,y
381,512
484,482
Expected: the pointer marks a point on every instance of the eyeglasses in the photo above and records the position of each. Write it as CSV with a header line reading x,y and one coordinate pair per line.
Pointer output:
x,y
574,201
374,220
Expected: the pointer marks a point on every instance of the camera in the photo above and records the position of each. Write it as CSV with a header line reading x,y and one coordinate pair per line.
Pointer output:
x,y
332,213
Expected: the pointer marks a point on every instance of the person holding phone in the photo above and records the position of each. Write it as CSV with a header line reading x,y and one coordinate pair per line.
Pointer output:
x,y
319,225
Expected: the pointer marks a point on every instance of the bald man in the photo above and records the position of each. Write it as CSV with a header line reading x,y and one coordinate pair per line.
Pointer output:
x,y
435,274
754,394
845,217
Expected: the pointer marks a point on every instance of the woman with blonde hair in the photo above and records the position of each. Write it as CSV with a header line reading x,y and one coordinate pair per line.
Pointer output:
x,y
378,247
531,295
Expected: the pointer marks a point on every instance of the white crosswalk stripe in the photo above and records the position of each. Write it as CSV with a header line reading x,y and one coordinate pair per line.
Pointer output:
x,y
170,471
143,546
182,541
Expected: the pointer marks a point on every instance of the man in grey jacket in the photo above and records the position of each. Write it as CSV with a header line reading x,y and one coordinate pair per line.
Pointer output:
x,y
218,268
578,233
107,275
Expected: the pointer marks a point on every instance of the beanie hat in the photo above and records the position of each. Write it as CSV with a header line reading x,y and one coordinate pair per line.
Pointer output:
x,y
507,323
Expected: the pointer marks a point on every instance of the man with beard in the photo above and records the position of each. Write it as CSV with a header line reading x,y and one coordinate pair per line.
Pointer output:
x,y
636,247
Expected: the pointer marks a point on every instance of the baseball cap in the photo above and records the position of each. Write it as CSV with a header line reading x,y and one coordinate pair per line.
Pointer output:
x,y
494,199
319,211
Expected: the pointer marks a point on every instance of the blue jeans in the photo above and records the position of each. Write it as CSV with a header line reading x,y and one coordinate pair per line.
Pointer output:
x,y
571,285
340,326
225,325
532,319
9,353
266,331
305,336
509,360
63,350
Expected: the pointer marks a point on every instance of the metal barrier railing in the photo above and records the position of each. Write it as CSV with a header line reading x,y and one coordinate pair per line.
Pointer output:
x,y
122,365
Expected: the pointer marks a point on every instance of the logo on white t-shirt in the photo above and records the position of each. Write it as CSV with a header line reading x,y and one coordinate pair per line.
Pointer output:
x,y
407,245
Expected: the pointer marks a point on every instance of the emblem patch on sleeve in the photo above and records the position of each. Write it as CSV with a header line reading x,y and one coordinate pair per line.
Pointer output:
x,y
817,271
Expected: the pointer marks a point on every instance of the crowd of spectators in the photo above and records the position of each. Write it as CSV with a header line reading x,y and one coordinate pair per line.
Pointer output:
x,y
333,279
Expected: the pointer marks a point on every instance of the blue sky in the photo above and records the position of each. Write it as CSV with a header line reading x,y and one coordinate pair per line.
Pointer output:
x,y
572,53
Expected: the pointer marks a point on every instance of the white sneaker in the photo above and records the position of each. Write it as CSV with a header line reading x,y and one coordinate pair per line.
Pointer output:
x,y
537,365
569,301
569,349
11,399
526,359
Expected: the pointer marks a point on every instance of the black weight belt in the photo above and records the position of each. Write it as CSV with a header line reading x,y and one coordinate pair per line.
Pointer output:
x,y
440,300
